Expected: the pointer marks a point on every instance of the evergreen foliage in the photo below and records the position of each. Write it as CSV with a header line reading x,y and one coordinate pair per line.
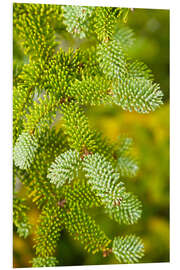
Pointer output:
x,y
121,206
48,232
44,262
127,166
65,168
24,150
20,218
83,228
91,91
77,19
137,94
70,170
126,163
128,248
81,195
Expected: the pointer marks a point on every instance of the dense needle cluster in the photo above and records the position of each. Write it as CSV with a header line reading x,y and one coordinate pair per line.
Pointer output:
x,y
70,170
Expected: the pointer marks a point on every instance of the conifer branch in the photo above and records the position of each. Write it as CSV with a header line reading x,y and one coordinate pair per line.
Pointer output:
x,y
91,91
128,249
44,262
41,115
77,19
66,172
121,205
24,150
50,145
20,218
104,21
48,232
139,95
127,166
34,24
138,70
124,36
112,59
80,195
65,168
83,228
77,128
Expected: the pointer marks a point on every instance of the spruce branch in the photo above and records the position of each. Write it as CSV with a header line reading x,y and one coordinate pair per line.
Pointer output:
x,y
83,228
112,59
122,206
77,19
66,172
80,194
24,150
104,20
51,144
128,249
138,70
139,95
61,70
44,262
65,168
91,91
124,36
124,145
29,85
48,230
20,218
35,25
77,128
41,114
126,163
127,166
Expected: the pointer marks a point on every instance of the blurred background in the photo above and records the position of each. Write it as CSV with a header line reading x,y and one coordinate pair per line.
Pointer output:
x,y
151,146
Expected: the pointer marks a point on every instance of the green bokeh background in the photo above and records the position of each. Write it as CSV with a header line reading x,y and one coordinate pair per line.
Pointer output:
x,y
151,146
